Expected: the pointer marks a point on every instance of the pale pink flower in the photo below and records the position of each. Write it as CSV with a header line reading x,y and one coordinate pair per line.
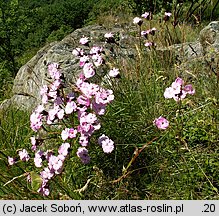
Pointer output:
x,y
83,100
24,155
52,94
178,91
53,71
65,134
44,90
46,173
145,15
138,21
72,133
167,14
44,99
114,72
88,70
78,52
83,60
169,92
97,60
70,107
189,89
44,191
96,50
34,143
150,44
104,96
100,108
82,153
84,40
11,161
60,114
84,140
37,159
161,123
36,121
109,35
38,162
55,164
63,149
55,85
106,143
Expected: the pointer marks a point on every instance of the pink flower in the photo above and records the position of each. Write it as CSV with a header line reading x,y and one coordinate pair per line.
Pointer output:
x,y
100,108
53,71
84,40
137,21
78,52
178,91
96,50
189,89
46,173
56,164
24,155
65,134
150,44
68,133
83,60
72,133
44,90
104,96
83,100
167,16
84,140
11,161
38,160
34,143
161,123
97,60
60,114
36,121
114,72
109,35
145,15
70,107
152,31
88,70
82,153
63,149
106,143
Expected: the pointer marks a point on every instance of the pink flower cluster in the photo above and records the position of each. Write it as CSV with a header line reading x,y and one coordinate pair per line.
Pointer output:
x,y
86,102
23,155
178,90
146,33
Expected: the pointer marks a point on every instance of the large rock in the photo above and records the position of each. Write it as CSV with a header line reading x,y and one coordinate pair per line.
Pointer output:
x,y
208,40
34,74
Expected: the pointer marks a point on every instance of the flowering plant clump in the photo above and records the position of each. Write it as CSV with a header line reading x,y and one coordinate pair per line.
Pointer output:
x,y
178,90
145,33
74,114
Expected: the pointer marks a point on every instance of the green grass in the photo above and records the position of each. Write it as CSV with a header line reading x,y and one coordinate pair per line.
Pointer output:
x,y
163,170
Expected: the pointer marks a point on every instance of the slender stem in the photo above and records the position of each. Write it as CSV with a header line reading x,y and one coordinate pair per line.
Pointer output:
x,y
140,37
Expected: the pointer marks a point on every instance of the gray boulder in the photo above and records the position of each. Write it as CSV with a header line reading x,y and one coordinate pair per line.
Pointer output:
x,y
33,75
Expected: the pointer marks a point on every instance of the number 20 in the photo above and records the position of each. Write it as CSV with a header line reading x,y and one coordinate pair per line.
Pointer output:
x,y
209,207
